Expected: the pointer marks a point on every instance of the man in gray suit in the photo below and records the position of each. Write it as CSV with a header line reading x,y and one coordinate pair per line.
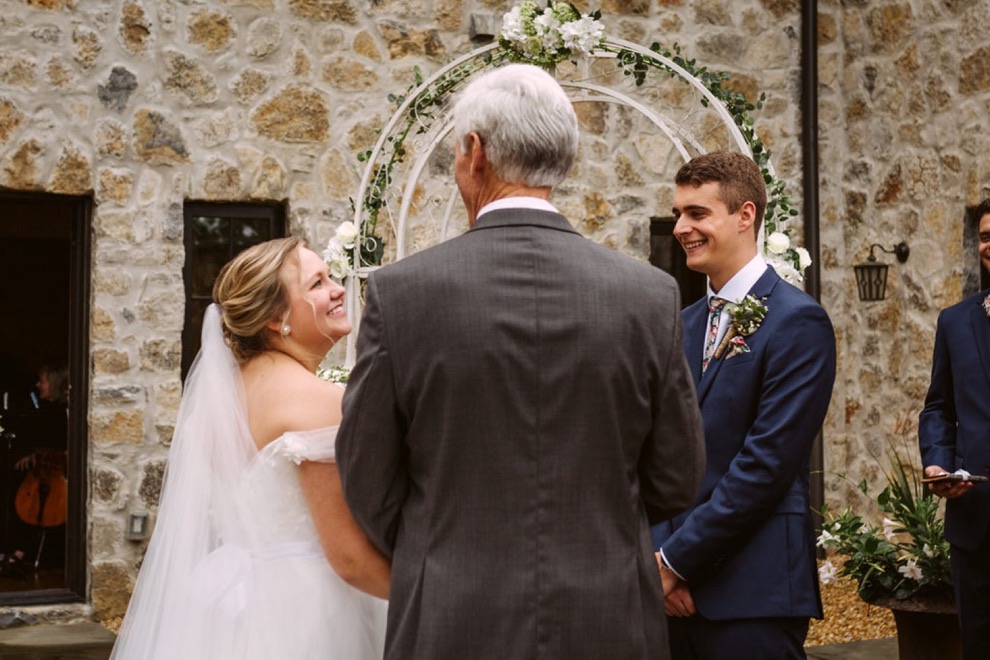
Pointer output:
x,y
520,412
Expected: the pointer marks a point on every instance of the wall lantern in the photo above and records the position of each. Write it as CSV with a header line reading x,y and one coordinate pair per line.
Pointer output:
x,y
871,275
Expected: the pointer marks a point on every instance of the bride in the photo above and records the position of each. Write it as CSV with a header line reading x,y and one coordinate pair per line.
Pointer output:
x,y
254,553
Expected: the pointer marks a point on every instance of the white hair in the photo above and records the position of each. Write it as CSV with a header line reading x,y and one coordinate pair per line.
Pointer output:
x,y
525,121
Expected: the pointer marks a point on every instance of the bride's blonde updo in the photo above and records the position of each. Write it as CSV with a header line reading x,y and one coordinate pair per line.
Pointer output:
x,y
251,294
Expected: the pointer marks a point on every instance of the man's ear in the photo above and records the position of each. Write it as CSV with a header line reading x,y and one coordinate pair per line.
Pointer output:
x,y
747,216
476,153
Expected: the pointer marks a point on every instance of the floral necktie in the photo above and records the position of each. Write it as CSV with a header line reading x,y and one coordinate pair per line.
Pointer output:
x,y
714,311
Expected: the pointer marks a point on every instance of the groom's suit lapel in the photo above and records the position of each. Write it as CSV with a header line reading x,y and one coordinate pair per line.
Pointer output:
x,y
762,289
980,325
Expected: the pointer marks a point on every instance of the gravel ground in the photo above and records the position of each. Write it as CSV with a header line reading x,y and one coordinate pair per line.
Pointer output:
x,y
848,618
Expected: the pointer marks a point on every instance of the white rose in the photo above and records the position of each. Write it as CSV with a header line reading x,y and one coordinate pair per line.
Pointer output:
x,y
340,269
788,272
583,35
778,242
347,232
804,258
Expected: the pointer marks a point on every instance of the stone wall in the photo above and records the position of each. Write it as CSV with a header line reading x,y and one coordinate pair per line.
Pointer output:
x,y
905,129
145,105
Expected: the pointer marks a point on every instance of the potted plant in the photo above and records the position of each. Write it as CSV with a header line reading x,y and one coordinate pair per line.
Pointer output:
x,y
901,563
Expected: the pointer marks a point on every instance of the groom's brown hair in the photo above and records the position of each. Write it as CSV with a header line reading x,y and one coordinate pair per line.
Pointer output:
x,y
739,179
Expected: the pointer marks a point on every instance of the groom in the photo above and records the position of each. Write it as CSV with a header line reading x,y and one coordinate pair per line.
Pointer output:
x,y
738,568
520,411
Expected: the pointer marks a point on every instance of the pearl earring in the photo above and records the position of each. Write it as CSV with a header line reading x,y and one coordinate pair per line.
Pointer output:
x,y
286,330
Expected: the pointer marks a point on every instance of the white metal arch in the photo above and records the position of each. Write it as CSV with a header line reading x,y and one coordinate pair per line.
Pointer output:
x,y
581,91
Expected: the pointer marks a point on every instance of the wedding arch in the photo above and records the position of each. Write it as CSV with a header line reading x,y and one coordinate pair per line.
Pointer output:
x,y
592,68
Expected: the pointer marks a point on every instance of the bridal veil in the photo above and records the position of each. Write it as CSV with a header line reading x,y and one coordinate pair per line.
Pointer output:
x,y
211,448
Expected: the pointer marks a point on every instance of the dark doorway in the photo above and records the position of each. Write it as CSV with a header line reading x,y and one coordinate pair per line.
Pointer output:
x,y
668,255
44,349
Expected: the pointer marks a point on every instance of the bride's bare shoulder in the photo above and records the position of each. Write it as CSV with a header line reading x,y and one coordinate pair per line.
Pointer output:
x,y
282,396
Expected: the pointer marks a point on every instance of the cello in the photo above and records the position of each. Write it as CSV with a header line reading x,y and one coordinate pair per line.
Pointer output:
x,y
42,497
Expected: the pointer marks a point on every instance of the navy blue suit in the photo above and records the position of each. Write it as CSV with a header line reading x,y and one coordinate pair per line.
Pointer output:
x,y
954,433
747,548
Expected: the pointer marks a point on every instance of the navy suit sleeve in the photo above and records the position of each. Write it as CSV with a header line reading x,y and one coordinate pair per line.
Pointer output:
x,y
937,421
795,389
370,455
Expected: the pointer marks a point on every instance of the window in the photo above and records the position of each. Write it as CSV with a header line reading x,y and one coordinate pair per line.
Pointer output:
x,y
668,255
214,234
44,288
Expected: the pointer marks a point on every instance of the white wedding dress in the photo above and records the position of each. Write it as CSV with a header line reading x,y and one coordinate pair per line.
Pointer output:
x,y
235,570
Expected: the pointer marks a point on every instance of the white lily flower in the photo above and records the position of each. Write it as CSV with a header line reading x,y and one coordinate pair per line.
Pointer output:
x,y
824,538
828,573
911,570
888,528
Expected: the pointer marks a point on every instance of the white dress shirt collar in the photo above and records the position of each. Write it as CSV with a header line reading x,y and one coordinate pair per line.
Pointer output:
x,y
534,203
739,284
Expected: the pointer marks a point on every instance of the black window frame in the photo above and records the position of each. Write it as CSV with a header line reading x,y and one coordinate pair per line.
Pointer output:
x,y
274,212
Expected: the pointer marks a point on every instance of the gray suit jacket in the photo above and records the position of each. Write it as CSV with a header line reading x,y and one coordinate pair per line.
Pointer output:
x,y
519,413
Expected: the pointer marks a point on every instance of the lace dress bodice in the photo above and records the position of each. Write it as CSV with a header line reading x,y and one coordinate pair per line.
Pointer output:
x,y
271,491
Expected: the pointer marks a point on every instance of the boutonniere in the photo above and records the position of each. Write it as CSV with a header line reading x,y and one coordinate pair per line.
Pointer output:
x,y
986,304
746,315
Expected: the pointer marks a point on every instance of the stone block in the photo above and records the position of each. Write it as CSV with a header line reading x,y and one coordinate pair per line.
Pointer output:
x,y
295,114
974,72
211,30
17,71
72,173
190,78
110,139
249,85
118,90
10,119
86,47
403,41
270,180
111,589
150,489
263,38
114,282
330,11
366,46
121,426
114,186
105,485
135,29
160,355
101,326
110,361
222,180
350,75
157,140
339,180
21,171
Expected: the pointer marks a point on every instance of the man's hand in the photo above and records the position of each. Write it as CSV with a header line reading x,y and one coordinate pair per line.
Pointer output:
x,y
946,489
677,600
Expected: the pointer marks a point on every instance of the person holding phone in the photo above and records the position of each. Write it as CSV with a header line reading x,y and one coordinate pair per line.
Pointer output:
x,y
954,435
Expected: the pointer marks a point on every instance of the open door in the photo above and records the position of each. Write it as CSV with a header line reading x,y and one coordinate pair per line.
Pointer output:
x,y
44,349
